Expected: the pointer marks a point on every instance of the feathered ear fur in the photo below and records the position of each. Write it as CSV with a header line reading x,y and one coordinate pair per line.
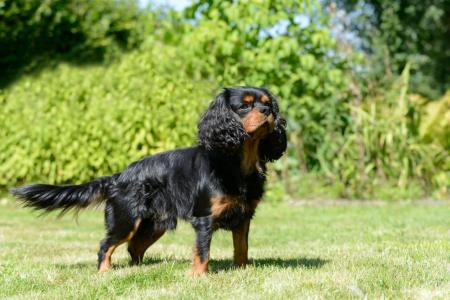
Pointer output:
x,y
273,146
219,128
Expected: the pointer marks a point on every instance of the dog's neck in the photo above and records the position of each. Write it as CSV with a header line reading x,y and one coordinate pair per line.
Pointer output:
x,y
250,156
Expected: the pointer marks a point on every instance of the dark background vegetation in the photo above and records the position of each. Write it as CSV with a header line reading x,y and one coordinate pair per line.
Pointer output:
x,y
87,87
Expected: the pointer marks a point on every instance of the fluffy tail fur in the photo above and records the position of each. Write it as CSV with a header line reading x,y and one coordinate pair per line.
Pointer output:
x,y
52,197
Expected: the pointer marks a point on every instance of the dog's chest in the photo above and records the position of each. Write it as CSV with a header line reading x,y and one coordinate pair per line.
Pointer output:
x,y
238,199
229,211
250,161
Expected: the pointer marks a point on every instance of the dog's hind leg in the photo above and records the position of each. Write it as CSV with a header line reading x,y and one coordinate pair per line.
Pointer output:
x,y
120,229
145,236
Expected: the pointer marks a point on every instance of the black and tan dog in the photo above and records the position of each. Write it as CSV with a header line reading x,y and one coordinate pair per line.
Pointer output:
x,y
216,184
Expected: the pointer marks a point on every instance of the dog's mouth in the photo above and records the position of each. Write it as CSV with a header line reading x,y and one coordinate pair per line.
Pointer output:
x,y
264,126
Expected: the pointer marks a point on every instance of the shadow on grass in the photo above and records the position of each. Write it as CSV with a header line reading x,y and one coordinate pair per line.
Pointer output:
x,y
115,265
301,262
215,265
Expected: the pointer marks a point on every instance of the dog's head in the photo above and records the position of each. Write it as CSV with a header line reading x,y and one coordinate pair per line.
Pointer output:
x,y
238,114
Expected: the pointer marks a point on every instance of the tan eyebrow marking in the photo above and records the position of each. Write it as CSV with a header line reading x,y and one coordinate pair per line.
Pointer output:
x,y
248,99
265,99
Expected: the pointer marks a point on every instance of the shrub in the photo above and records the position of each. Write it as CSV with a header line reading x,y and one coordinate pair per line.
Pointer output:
x,y
31,31
356,140
284,45
382,147
72,124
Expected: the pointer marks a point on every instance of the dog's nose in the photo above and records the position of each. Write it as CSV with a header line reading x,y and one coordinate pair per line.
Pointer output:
x,y
264,110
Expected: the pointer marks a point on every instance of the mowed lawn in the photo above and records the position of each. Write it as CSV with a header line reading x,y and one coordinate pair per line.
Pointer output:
x,y
298,251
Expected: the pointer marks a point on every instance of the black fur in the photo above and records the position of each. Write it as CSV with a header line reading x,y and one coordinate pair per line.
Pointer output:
x,y
159,189
51,197
219,129
273,147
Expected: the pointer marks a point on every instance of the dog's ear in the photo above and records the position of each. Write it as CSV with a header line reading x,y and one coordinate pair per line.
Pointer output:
x,y
220,129
273,146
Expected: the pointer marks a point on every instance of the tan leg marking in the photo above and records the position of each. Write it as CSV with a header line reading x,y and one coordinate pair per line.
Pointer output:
x,y
199,267
106,262
240,243
139,244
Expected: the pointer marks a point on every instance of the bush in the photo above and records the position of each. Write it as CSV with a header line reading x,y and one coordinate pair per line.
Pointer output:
x,y
354,141
268,44
382,147
31,31
72,124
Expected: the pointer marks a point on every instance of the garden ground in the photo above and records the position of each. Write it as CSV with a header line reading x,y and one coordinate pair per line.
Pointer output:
x,y
297,250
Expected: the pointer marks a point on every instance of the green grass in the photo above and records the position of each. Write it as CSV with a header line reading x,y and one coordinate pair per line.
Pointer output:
x,y
344,251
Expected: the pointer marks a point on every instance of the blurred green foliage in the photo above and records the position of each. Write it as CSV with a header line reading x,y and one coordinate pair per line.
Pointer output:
x,y
72,123
397,32
265,44
382,147
34,31
435,125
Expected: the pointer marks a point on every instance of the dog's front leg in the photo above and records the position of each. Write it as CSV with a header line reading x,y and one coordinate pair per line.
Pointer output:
x,y
203,231
240,243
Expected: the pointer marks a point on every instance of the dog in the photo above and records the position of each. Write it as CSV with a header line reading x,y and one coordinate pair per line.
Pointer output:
x,y
216,184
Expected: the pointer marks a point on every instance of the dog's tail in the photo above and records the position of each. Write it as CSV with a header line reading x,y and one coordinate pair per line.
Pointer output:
x,y
53,197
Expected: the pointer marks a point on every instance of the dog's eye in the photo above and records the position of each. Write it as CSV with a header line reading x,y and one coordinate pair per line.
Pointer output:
x,y
245,106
